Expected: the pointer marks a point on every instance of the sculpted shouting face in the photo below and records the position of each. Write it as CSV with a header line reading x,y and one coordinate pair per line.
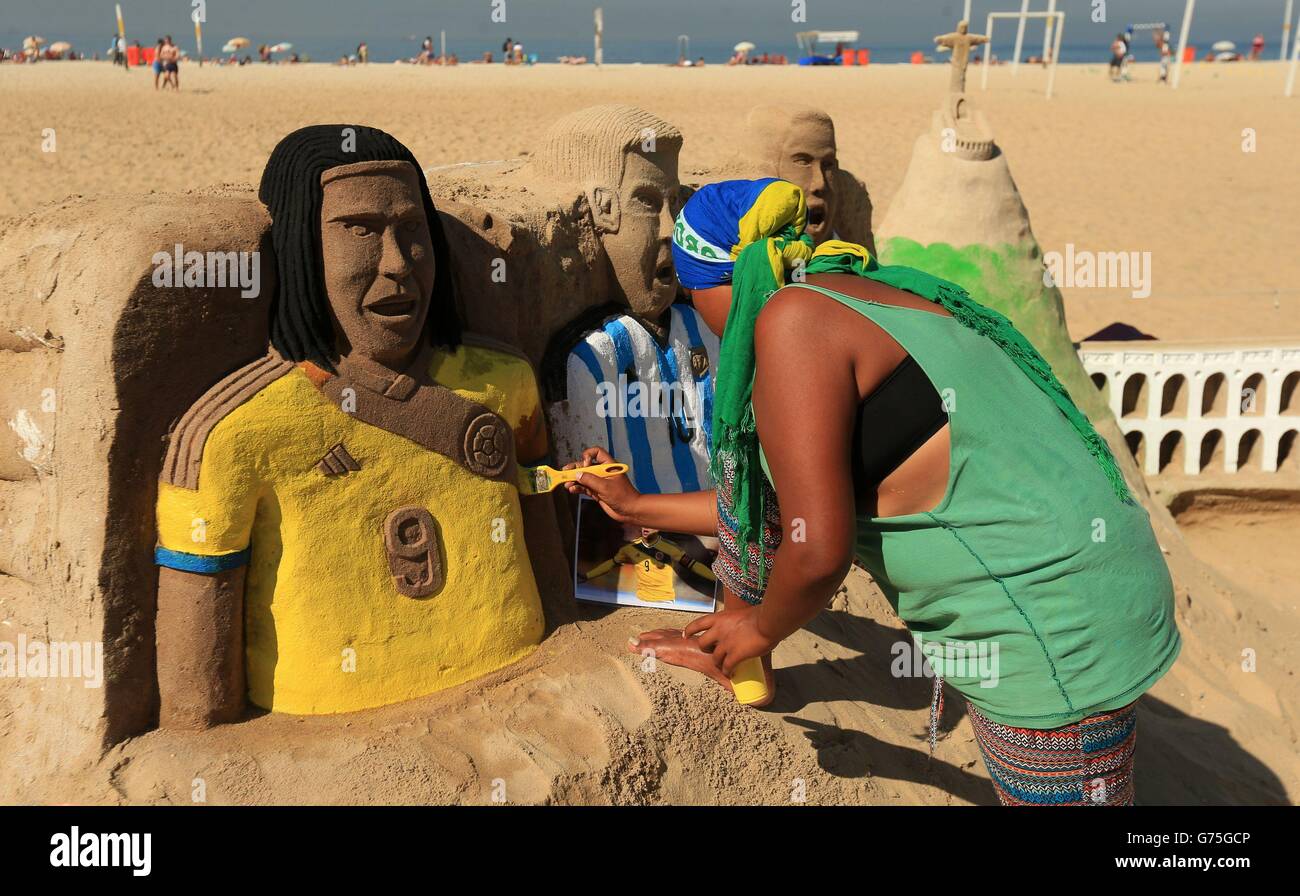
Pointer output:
x,y
377,258
808,161
798,144
624,161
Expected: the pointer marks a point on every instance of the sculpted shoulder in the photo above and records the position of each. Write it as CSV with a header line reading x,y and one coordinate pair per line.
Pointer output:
x,y
485,367
191,433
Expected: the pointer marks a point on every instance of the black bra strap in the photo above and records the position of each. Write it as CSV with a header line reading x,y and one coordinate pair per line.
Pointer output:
x,y
898,417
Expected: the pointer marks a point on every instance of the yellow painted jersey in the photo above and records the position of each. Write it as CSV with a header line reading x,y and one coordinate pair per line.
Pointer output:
x,y
654,578
326,628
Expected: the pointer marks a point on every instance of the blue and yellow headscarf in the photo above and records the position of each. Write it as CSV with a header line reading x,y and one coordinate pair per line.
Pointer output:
x,y
722,219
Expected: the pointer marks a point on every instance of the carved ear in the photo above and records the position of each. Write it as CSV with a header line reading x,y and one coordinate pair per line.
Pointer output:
x,y
605,211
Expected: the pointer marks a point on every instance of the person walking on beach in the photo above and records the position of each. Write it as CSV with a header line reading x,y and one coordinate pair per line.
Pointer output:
x,y
879,413
157,63
171,63
1118,52
118,50
1166,55
363,53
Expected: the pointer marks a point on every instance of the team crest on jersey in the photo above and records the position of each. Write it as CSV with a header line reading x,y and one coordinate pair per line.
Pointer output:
x,y
699,362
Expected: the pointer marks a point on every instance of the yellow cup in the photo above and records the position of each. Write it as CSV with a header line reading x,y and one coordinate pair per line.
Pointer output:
x,y
749,683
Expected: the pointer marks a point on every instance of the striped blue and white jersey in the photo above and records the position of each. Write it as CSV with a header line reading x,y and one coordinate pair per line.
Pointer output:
x,y
649,407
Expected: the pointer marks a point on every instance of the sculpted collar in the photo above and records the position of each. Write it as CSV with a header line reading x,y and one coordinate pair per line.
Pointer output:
x,y
397,386
415,407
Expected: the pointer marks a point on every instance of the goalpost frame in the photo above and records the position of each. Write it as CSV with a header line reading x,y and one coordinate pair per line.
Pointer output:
x,y
1058,17
1188,11
1295,61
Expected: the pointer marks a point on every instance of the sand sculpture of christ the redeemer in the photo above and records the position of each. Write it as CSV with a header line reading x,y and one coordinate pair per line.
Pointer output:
x,y
339,521
960,42
959,215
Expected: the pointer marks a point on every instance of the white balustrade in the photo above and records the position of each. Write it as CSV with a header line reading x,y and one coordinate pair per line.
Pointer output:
x,y
1204,406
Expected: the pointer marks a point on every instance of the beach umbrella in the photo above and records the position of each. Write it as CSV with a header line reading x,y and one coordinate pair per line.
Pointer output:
x,y
31,43
60,46
744,46
1223,46
238,42
229,48
282,47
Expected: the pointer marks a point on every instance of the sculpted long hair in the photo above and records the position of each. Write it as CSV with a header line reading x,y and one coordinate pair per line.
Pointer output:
x,y
302,327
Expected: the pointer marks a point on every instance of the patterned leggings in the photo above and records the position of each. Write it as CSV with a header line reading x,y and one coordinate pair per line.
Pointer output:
x,y
1089,763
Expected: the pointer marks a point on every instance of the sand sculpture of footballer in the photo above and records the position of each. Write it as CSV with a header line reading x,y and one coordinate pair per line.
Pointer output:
x,y
339,525
634,377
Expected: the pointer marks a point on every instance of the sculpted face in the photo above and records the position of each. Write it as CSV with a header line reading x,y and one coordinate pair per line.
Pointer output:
x,y
378,261
636,225
808,161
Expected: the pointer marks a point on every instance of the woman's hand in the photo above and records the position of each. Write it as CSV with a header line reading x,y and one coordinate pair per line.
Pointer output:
x,y
617,495
731,636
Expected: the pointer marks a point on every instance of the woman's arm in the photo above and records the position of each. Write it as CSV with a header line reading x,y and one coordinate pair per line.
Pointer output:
x,y
691,513
805,397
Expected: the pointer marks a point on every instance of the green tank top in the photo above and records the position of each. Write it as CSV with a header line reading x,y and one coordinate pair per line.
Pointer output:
x,y
1031,587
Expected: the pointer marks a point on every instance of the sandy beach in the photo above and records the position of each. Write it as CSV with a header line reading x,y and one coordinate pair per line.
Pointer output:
x,y
1106,167
1132,167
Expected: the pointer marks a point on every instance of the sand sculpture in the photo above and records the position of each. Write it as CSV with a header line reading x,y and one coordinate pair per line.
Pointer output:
x,y
87,334
634,375
959,215
533,250
580,234
964,128
339,522
797,143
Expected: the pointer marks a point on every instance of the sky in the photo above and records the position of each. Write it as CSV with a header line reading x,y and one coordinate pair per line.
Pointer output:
x,y
634,28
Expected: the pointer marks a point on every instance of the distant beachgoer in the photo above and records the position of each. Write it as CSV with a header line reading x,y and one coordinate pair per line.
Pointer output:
x,y
171,59
426,51
1118,50
157,63
363,53
1166,55
1256,47
506,46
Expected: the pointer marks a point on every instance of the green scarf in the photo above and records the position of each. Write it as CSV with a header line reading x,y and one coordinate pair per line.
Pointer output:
x,y
759,272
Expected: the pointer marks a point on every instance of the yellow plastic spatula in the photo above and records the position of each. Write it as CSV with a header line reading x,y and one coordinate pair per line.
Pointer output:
x,y
539,480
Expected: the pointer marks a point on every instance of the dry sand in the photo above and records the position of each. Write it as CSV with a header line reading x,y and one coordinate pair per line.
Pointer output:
x,y
1106,167
1132,167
